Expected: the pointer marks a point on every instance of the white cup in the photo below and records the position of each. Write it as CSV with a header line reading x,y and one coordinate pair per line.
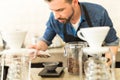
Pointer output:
x,y
93,35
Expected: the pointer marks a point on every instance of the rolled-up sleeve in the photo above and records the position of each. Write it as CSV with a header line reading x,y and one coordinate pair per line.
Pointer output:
x,y
111,38
48,35
114,43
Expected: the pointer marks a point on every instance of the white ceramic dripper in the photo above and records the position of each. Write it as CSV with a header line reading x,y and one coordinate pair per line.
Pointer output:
x,y
93,35
14,38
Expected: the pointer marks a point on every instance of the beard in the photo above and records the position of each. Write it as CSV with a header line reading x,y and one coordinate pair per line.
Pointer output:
x,y
66,20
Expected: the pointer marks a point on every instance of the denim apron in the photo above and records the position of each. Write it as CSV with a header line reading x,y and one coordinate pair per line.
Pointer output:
x,y
71,38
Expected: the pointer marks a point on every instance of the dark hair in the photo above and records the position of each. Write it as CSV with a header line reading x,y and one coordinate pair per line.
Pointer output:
x,y
69,1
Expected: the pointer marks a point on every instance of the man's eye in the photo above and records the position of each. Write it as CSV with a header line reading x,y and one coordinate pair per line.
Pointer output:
x,y
60,10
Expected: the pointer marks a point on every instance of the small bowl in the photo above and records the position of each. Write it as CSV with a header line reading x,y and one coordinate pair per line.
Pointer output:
x,y
50,66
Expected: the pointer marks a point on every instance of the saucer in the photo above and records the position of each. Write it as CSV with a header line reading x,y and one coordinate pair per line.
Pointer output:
x,y
56,73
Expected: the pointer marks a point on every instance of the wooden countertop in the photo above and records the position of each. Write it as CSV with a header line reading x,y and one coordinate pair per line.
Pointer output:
x,y
64,76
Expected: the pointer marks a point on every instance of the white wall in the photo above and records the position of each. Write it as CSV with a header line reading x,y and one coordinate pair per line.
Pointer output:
x,y
31,15
25,14
28,15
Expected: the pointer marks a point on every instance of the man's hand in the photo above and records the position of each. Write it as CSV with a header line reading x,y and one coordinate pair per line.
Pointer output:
x,y
40,48
39,53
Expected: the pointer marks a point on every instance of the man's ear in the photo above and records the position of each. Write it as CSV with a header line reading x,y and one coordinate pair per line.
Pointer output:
x,y
75,2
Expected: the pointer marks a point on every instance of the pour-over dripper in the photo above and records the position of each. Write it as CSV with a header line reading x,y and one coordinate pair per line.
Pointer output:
x,y
93,35
96,67
14,38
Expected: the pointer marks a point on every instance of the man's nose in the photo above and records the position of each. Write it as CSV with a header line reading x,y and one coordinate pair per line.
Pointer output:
x,y
57,15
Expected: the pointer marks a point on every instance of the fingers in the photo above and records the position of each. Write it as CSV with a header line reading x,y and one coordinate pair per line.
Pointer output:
x,y
109,62
38,52
32,56
43,54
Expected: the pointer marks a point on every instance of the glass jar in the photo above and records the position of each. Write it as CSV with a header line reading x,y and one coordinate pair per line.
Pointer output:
x,y
16,64
19,68
73,51
1,67
96,67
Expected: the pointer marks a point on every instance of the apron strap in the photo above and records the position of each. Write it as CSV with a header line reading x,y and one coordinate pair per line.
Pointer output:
x,y
87,16
64,30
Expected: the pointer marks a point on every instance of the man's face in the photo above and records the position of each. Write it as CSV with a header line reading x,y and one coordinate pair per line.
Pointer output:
x,y
62,10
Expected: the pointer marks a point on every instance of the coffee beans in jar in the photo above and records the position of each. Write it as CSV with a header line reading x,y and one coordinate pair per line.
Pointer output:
x,y
73,66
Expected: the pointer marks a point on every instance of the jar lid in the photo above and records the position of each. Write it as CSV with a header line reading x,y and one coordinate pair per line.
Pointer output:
x,y
94,50
21,51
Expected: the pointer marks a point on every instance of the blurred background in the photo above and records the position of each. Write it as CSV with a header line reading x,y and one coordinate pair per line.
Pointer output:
x,y
31,15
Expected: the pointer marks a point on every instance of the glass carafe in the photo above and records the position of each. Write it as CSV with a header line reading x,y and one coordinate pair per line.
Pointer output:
x,y
96,67
16,64
73,51
19,69
1,67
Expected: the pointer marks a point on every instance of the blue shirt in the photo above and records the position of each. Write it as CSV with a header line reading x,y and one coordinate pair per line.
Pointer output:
x,y
98,15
